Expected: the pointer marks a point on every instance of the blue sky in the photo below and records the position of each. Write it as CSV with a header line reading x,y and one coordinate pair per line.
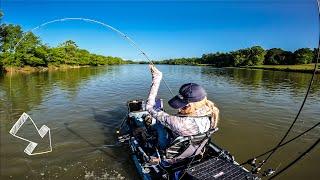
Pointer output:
x,y
171,29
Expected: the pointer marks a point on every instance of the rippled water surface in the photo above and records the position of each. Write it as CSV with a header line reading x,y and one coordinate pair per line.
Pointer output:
x,y
83,107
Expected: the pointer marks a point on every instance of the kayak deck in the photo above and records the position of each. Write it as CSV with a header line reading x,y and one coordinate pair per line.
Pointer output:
x,y
216,168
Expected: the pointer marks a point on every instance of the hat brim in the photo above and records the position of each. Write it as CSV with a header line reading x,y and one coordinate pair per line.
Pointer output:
x,y
177,103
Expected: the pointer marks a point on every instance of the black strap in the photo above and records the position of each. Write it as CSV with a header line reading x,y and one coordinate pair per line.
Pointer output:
x,y
180,115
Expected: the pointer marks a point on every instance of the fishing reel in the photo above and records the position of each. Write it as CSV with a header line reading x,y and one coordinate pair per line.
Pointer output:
x,y
148,120
124,138
268,172
256,168
226,155
252,162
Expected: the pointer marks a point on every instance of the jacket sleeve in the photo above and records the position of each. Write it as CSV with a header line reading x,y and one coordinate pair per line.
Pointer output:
x,y
175,123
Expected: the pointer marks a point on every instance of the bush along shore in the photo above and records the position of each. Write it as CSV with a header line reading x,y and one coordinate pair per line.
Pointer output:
x,y
256,58
33,55
304,68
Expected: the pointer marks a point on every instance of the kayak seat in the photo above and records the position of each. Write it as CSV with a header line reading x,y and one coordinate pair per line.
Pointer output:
x,y
186,146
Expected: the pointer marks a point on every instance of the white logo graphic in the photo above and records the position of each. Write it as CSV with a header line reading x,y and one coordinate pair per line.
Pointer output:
x,y
32,145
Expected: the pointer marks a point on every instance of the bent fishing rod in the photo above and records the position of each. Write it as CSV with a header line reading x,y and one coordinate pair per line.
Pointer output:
x,y
117,31
124,36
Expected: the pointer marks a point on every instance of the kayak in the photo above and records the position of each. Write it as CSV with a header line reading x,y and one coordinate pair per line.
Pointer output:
x,y
212,163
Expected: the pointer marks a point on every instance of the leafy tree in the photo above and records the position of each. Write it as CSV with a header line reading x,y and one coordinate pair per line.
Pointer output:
x,y
303,56
1,64
12,38
9,35
256,55
42,52
217,59
248,57
56,56
30,51
315,55
240,57
31,60
275,56
70,50
289,58
83,56
69,44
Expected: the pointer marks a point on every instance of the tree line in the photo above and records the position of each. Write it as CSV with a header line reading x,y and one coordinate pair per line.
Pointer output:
x,y
252,56
32,52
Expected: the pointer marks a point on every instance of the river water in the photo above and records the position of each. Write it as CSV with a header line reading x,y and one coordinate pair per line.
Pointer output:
x,y
83,107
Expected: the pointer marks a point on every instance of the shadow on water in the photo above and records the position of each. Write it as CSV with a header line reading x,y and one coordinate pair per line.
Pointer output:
x,y
109,121
96,146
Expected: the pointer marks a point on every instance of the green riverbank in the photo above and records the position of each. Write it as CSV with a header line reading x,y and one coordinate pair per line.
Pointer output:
x,y
30,69
304,68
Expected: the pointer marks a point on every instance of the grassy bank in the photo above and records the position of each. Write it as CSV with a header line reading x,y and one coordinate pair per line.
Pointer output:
x,y
29,69
305,68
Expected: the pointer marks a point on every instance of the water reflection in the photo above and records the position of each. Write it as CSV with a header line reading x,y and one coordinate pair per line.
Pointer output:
x,y
25,91
272,81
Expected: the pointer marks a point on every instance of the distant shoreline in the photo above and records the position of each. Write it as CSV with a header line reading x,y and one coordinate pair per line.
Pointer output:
x,y
303,68
306,68
30,69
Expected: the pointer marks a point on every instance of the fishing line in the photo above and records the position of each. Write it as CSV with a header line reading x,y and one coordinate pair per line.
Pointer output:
x,y
287,142
122,123
303,102
297,159
127,38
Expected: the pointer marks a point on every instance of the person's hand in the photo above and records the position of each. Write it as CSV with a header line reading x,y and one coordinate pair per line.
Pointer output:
x,y
147,119
154,160
154,71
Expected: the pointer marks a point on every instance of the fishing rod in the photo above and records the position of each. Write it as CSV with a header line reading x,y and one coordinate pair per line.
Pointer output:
x,y
258,168
124,36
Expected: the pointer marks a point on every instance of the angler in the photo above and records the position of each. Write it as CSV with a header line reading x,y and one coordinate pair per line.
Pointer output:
x,y
178,146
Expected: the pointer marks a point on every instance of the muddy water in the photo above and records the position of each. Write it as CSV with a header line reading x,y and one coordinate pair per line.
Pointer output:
x,y
83,107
